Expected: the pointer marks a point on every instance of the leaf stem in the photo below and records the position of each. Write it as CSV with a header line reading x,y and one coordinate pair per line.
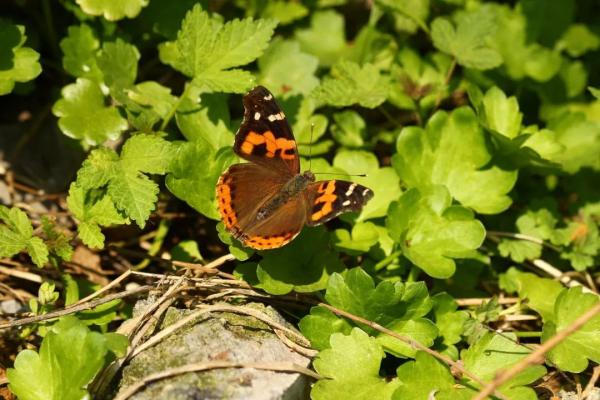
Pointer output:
x,y
387,260
173,110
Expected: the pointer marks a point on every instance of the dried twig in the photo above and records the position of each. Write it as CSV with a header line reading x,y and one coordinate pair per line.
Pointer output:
x,y
592,383
480,301
20,274
75,308
537,356
204,366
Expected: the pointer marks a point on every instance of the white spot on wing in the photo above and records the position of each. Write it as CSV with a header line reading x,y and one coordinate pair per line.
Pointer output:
x,y
350,189
346,203
257,116
276,117
364,193
268,97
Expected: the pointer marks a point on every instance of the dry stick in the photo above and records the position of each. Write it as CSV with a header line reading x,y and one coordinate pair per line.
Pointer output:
x,y
204,366
558,274
592,383
310,353
75,308
414,344
536,356
522,236
112,284
480,301
20,274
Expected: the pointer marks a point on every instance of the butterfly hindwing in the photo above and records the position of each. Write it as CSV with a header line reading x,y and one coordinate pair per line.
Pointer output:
x,y
265,136
328,199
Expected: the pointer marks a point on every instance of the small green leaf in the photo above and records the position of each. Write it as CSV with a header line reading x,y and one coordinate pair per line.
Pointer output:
x,y
207,122
69,357
349,84
449,320
432,232
38,251
113,10
502,113
16,235
362,237
325,38
83,115
374,47
424,376
284,11
284,68
17,63
58,241
541,293
581,139
572,353
493,353
349,129
452,151
118,62
79,48
352,366
578,40
467,41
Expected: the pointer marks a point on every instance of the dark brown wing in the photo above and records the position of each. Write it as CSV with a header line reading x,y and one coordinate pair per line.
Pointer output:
x,y
265,137
241,191
328,199
279,228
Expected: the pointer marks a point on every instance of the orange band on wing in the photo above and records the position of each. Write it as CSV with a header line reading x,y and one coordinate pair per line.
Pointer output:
x,y
327,198
224,198
271,143
269,242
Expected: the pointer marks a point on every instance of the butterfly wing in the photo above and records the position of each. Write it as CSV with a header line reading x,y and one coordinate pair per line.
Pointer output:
x,y
241,191
265,137
328,199
279,228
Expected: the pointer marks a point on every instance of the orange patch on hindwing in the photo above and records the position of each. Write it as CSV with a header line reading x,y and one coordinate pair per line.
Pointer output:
x,y
224,198
327,198
269,242
271,143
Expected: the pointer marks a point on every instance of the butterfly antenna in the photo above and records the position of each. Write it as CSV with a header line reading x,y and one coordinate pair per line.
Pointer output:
x,y
340,174
310,144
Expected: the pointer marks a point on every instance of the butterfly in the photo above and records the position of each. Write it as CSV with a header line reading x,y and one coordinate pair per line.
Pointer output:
x,y
266,202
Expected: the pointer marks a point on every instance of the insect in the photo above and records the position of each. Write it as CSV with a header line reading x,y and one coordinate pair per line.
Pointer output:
x,y
265,203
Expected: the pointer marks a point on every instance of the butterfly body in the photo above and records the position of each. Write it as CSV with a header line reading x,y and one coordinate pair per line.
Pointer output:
x,y
265,203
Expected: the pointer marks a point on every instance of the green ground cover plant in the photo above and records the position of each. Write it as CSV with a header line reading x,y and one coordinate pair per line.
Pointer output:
x,y
476,124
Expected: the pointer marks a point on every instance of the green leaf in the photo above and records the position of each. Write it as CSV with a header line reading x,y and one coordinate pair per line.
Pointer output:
x,y
493,353
195,182
578,40
206,48
278,270
362,237
581,139
352,366
382,180
396,306
573,352
58,241
113,10
502,113
207,122
541,293
17,63
349,84
284,68
79,49
82,114
424,376
325,38
16,235
91,215
118,62
284,11
69,357
432,232
409,14
349,129
468,40
449,320
452,151
374,47
147,103
132,192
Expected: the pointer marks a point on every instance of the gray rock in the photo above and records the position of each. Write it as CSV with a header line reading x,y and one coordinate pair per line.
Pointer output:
x,y
219,337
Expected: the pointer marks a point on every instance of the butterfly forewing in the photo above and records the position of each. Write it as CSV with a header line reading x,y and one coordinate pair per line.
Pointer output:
x,y
265,137
328,199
